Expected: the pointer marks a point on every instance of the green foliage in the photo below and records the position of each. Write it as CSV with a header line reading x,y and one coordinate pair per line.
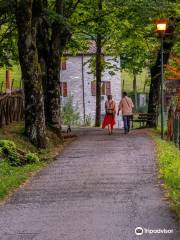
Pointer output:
x,y
7,146
32,158
69,114
8,33
14,156
9,150
143,79
1,152
14,159
12,177
169,164
127,28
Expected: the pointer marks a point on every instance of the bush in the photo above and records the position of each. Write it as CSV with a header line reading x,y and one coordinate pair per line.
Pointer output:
x,y
32,158
15,156
8,149
69,113
14,159
1,152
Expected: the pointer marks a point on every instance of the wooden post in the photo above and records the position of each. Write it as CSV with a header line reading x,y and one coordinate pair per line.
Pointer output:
x,y
8,81
178,103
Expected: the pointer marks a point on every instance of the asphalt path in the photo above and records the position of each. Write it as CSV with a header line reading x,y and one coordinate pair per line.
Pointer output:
x,y
100,188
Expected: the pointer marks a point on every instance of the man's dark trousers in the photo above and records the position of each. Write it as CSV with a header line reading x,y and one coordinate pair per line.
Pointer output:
x,y
126,120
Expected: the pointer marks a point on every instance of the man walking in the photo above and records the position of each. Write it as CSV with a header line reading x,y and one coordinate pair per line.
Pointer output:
x,y
126,106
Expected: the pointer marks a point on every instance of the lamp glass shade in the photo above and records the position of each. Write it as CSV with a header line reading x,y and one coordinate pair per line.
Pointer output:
x,y
161,26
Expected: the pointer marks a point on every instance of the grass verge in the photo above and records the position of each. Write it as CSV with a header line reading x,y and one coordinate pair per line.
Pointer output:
x,y
169,170
12,177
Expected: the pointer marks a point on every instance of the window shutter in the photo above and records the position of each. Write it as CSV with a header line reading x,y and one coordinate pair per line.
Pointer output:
x,y
64,89
103,88
108,88
93,88
63,63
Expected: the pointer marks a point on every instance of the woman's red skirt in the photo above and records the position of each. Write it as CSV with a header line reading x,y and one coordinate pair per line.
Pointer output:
x,y
109,119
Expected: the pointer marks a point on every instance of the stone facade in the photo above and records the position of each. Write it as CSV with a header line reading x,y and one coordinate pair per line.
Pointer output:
x,y
79,85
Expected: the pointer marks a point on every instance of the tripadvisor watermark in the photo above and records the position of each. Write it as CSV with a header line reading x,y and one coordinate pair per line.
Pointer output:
x,y
140,231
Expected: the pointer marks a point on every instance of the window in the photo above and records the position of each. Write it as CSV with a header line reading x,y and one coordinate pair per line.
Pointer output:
x,y
63,63
93,88
108,88
105,88
63,89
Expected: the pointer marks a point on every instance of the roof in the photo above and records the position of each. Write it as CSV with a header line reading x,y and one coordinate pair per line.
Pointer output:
x,y
90,51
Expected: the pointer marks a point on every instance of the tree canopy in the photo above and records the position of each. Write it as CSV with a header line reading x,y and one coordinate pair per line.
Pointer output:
x,y
124,29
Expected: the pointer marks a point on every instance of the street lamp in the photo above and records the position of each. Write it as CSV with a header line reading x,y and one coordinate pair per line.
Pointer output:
x,y
161,30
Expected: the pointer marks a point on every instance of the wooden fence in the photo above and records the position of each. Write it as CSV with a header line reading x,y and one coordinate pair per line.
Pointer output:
x,y
11,108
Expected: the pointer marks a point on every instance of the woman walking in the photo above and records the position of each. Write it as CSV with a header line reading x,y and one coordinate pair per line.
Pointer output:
x,y
109,119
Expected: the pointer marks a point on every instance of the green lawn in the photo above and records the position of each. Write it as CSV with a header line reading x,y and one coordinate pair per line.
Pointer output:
x,y
11,177
169,169
141,78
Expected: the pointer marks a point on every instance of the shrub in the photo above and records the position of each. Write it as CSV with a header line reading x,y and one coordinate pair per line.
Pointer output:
x,y
14,159
7,147
32,158
1,152
70,114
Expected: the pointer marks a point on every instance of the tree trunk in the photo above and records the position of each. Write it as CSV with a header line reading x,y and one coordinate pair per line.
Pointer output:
x,y
51,44
27,16
98,72
154,94
135,90
98,81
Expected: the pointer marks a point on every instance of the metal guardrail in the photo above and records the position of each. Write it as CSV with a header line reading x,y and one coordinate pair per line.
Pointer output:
x,y
176,130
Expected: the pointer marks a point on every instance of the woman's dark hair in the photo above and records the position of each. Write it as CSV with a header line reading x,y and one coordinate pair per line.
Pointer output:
x,y
124,94
109,97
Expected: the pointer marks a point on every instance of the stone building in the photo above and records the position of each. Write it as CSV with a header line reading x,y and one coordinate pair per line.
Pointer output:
x,y
78,82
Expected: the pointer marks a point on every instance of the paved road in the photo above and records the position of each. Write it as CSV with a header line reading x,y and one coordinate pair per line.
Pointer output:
x,y
101,188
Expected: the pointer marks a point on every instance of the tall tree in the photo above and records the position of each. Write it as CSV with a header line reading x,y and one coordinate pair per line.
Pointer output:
x,y
154,94
98,67
27,15
53,66
53,35
93,21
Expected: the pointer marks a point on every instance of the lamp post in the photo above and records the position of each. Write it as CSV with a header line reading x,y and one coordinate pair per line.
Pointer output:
x,y
161,29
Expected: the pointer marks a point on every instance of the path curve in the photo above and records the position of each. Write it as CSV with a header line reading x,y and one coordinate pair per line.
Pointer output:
x,y
100,188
